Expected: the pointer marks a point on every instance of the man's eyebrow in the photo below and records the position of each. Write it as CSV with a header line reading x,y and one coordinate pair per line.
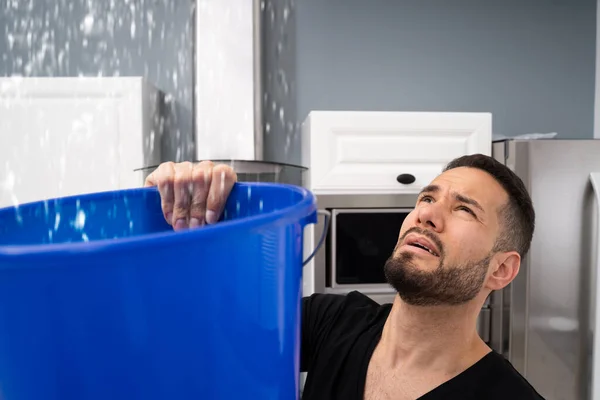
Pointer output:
x,y
468,200
459,197
430,189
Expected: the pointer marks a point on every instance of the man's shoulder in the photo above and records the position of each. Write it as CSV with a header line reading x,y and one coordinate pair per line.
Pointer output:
x,y
335,326
504,381
349,308
349,302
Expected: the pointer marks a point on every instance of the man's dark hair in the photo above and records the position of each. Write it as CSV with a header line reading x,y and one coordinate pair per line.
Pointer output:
x,y
517,215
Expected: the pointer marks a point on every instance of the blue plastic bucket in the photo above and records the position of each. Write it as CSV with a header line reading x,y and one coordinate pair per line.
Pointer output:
x,y
100,299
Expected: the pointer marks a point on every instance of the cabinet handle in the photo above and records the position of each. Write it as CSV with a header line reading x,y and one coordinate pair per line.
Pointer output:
x,y
405,179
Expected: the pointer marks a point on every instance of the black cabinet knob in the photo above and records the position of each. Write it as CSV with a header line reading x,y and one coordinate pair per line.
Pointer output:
x,y
405,179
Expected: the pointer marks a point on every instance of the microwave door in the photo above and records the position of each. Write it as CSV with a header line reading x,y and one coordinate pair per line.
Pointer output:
x,y
361,242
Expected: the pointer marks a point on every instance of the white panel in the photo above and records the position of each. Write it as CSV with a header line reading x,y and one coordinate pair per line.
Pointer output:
x,y
308,271
349,152
67,136
384,147
225,80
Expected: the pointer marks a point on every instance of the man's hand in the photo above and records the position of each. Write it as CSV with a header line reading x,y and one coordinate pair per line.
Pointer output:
x,y
192,194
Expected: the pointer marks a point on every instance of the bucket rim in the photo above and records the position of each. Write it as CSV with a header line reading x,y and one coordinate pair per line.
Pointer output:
x,y
300,211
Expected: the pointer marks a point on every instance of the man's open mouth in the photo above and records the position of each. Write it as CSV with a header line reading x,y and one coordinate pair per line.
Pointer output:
x,y
424,244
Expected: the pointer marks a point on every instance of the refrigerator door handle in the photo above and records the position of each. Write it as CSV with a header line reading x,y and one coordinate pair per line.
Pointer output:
x,y
595,384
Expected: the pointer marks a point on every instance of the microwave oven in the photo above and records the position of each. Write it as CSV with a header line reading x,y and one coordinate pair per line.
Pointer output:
x,y
361,236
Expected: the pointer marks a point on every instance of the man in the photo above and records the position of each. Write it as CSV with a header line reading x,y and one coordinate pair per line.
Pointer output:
x,y
465,238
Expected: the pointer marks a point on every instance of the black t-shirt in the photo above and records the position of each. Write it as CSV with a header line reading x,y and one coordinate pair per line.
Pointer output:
x,y
339,335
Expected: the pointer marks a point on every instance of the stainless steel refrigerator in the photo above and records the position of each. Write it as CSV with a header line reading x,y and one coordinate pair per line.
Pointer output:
x,y
547,322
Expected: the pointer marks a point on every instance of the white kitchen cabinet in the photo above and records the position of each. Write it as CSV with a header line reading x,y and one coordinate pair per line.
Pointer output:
x,y
68,136
366,152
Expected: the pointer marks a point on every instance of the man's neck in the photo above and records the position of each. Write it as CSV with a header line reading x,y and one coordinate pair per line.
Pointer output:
x,y
438,338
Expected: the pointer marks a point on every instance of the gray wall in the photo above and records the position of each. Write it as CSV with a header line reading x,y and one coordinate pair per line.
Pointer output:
x,y
529,62
281,122
152,38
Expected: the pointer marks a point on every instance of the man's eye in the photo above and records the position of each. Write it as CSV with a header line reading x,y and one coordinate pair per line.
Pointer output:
x,y
467,209
426,199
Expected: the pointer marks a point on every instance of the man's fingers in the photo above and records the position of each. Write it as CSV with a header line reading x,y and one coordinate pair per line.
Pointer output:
x,y
201,179
182,195
151,179
192,195
163,178
223,179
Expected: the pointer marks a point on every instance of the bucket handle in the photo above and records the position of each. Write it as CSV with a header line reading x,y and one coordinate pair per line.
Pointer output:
x,y
327,215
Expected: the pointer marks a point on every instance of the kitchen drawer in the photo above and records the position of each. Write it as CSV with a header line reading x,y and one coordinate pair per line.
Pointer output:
x,y
347,151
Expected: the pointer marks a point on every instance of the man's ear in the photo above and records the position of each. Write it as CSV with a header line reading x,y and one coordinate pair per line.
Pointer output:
x,y
505,267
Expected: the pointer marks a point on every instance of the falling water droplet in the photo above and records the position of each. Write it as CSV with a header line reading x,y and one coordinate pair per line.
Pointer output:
x,y
286,13
88,24
80,220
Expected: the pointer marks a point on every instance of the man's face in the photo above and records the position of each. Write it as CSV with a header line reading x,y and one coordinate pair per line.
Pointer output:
x,y
446,243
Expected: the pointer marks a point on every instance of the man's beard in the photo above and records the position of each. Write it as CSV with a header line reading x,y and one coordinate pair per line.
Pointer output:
x,y
446,285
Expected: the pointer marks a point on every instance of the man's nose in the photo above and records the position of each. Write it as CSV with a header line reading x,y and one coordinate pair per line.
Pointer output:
x,y
431,216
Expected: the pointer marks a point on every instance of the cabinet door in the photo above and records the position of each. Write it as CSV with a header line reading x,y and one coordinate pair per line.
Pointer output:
x,y
57,147
387,151
68,136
